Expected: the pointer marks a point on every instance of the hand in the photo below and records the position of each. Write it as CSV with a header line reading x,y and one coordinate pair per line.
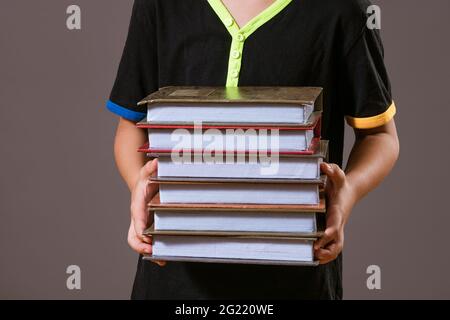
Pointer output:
x,y
340,202
141,218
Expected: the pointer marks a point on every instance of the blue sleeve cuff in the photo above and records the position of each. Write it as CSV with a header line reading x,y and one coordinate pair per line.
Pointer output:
x,y
124,112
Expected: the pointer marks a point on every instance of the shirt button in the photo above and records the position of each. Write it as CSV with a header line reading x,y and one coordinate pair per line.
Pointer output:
x,y
240,37
235,54
228,22
234,73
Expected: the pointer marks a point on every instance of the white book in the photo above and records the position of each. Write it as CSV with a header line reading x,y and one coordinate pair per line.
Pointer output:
x,y
232,114
235,221
245,193
233,248
277,168
230,139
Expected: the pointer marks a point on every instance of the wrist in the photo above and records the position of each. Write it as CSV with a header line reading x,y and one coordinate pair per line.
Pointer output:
x,y
352,192
348,198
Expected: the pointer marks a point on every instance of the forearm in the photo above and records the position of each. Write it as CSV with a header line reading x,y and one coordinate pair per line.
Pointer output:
x,y
129,162
372,158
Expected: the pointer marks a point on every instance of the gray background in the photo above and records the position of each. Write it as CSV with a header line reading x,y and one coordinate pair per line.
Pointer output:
x,y
62,201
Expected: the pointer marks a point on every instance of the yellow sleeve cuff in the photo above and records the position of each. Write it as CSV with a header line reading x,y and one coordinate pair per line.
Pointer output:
x,y
372,122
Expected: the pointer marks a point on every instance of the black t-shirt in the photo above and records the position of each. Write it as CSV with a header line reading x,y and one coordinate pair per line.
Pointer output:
x,y
323,43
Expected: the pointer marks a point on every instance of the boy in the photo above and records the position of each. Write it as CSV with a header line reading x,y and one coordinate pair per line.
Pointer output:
x,y
258,43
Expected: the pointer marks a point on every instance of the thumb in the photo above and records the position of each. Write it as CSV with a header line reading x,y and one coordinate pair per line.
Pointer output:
x,y
324,240
149,169
140,225
334,173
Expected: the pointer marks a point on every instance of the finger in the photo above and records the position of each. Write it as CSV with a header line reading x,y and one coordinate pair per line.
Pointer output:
x,y
146,239
139,246
139,216
160,263
329,253
323,255
139,236
328,236
138,207
148,169
140,225
144,249
333,172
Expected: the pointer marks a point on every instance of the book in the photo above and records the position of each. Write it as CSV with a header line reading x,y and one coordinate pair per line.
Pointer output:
x,y
240,105
254,249
261,193
264,245
270,167
283,168
238,174
238,221
154,152
226,138
156,204
230,140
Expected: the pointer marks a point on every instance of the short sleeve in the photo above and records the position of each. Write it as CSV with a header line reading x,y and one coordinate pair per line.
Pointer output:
x,y
137,73
368,98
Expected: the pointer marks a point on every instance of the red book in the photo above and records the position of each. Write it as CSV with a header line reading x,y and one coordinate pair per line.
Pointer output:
x,y
249,139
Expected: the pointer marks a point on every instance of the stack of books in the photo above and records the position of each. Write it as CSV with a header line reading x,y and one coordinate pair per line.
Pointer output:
x,y
238,173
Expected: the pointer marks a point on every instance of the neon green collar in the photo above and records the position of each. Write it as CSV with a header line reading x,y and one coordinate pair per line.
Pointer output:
x,y
239,35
